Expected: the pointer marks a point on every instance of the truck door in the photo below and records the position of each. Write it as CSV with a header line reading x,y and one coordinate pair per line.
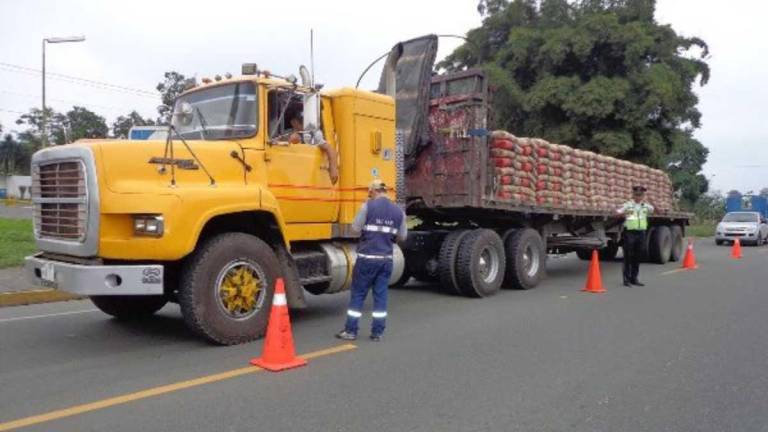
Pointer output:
x,y
297,173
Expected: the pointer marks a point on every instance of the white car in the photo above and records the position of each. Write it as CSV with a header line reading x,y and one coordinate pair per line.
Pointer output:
x,y
748,227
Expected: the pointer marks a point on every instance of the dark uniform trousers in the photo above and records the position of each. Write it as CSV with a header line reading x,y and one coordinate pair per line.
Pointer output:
x,y
634,241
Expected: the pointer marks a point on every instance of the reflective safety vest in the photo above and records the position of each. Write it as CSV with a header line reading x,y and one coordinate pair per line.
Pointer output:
x,y
636,215
382,223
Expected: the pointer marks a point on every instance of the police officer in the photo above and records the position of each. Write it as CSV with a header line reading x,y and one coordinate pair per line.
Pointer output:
x,y
380,223
636,213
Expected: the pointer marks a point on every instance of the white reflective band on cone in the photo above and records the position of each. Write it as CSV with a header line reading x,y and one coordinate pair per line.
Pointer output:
x,y
354,314
379,314
279,300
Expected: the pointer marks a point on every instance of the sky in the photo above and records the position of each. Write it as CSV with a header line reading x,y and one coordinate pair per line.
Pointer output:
x,y
129,45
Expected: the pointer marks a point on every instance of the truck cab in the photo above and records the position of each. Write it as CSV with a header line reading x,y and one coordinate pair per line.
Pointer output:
x,y
234,198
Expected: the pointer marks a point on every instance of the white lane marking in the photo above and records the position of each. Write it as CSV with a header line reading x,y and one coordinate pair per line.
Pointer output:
x,y
22,318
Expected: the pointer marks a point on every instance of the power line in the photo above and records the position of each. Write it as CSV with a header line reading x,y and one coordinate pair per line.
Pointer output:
x,y
79,81
11,111
68,101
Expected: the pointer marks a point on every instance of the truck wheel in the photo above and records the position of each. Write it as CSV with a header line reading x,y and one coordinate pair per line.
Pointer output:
x,y
446,261
608,253
719,242
126,308
526,259
660,247
677,243
584,254
480,263
227,287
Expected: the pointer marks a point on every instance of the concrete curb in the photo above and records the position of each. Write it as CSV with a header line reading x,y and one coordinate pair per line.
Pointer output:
x,y
17,298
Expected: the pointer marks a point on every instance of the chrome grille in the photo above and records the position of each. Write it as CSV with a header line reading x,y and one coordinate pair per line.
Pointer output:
x,y
60,198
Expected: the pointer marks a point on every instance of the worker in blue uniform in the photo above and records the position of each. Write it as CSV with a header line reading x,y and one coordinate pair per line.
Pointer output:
x,y
380,223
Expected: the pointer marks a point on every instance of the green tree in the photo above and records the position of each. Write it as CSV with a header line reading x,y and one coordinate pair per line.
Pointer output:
x,y
15,156
123,124
33,120
171,87
79,123
600,75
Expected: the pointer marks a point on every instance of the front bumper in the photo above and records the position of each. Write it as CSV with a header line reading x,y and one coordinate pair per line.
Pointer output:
x,y
731,236
87,280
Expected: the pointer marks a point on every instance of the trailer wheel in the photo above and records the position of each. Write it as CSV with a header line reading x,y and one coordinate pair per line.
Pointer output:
x,y
677,243
125,308
446,261
526,259
584,254
608,253
660,246
227,287
480,263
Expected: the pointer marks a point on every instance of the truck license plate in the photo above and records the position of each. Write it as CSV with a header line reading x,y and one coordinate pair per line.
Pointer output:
x,y
48,273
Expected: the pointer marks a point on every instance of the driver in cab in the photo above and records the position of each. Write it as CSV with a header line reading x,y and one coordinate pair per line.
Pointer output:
x,y
313,137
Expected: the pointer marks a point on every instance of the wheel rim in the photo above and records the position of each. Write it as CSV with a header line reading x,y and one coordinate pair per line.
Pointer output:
x,y
239,289
530,261
489,264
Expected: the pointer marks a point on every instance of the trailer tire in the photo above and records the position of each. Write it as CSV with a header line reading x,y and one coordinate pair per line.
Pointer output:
x,y
446,261
480,263
660,246
609,252
525,270
126,308
677,243
211,271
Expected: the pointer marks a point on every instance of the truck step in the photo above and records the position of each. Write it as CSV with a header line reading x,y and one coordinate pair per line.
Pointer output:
x,y
315,280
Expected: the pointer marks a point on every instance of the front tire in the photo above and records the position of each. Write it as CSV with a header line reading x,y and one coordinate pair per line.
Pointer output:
x,y
227,287
719,242
126,308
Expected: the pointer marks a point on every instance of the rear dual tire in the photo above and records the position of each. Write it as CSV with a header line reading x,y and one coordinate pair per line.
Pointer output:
x,y
526,259
472,263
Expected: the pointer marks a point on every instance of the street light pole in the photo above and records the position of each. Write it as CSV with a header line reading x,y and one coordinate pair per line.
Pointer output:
x,y
45,113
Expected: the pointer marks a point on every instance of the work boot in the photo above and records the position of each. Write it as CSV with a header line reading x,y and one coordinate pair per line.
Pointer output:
x,y
345,335
376,337
627,284
637,282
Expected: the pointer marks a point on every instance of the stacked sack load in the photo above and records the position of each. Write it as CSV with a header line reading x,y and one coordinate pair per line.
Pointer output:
x,y
513,163
575,178
599,180
532,171
549,174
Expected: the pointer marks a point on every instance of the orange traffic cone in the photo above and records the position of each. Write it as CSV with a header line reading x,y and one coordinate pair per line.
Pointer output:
x,y
689,262
594,281
736,249
279,353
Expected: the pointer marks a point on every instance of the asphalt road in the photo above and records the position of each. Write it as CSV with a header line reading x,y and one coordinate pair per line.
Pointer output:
x,y
688,352
22,210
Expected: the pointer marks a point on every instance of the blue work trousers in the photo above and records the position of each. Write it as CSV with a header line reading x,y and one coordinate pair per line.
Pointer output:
x,y
369,274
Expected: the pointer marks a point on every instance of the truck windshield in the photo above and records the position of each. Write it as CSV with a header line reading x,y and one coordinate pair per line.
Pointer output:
x,y
221,112
740,217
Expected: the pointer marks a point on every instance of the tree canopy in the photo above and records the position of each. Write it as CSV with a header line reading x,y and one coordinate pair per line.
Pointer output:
x,y
600,75
123,124
171,87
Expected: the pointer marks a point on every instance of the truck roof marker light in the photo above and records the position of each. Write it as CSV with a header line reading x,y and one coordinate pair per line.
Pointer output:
x,y
206,80
249,69
228,75
217,77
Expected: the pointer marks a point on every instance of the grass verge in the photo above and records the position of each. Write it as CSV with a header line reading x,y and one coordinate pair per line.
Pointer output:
x,y
16,241
702,230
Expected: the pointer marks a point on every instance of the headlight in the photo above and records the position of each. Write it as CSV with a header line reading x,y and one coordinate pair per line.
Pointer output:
x,y
148,225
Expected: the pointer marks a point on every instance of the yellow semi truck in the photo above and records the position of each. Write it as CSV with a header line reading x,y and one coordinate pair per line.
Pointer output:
x,y
236,197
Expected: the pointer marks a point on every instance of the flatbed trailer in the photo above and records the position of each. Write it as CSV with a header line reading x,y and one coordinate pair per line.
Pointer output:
x,y
451,193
